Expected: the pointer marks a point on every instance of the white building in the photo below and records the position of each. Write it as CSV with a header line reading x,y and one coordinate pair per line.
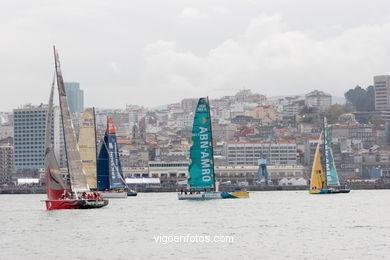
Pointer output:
x,y
179,170
318,99
248,153
293,182
382,92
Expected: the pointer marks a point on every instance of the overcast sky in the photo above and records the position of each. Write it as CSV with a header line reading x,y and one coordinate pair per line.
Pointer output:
x,y
157,52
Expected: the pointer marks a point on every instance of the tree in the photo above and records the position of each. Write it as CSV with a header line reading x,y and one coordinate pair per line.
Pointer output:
x,y
334,111
361,99
309,114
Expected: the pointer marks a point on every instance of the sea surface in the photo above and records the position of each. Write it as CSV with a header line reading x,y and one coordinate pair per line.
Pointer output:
x,y
268,225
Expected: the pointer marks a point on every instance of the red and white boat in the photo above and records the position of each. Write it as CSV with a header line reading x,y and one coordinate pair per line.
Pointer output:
x,y
60,195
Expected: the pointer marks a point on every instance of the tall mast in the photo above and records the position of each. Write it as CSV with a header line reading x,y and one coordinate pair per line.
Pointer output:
x,y
48,144
94,129
212,143
58,74
78,179
108,153
324,155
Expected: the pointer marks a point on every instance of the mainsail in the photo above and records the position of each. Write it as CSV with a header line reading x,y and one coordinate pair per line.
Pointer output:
x,y
331,174
55,185
201,168
109,169
87,144
78,180
102,167
317,180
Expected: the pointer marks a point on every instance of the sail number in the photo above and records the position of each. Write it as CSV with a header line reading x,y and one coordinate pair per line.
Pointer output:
x,y
202,108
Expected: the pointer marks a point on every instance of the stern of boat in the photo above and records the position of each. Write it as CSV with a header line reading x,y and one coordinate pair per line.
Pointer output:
x,y
235,195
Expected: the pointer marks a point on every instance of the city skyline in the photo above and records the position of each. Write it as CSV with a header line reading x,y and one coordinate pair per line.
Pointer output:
x,y
269,102
190,49
195,129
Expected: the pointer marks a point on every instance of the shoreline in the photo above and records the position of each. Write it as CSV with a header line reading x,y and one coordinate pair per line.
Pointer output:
x,y
41,189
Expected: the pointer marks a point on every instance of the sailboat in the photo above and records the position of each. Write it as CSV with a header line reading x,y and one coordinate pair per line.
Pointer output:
x,y
110,180
325,182
88,153
59,195
202,181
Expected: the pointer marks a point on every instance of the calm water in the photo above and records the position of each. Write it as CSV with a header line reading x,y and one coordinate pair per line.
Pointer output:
x,y
269,225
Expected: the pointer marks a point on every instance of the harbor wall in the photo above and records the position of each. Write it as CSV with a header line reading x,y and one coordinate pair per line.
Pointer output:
x,y
41,189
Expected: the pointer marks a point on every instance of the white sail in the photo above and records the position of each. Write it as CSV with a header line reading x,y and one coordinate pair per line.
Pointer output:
x,y
87,144
78,179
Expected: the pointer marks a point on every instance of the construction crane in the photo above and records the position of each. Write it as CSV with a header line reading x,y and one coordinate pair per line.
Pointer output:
x,y
262,162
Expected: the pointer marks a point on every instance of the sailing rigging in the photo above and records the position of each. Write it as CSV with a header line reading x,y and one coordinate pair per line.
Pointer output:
x,y
60,196
325,182
201,169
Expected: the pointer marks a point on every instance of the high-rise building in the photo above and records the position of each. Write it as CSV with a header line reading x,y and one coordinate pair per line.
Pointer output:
x,y
382,92
29,136
318,99
6,161
75,97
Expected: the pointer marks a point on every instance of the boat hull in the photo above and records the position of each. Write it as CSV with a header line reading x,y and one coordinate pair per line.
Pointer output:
x,y
214,195
344,191
113,195
132,193
75,204
329,191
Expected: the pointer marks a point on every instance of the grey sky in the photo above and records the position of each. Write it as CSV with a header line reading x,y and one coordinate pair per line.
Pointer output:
x,y
157,52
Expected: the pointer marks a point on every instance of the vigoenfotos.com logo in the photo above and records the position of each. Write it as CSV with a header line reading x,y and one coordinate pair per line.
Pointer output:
x,y
190,238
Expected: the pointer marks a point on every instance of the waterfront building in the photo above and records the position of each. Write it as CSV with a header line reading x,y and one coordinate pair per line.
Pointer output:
x,y
29,136
248,153
6,162
293,182
174,172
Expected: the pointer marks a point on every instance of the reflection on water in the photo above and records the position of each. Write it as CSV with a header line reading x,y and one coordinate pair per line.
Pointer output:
x,y
269,225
